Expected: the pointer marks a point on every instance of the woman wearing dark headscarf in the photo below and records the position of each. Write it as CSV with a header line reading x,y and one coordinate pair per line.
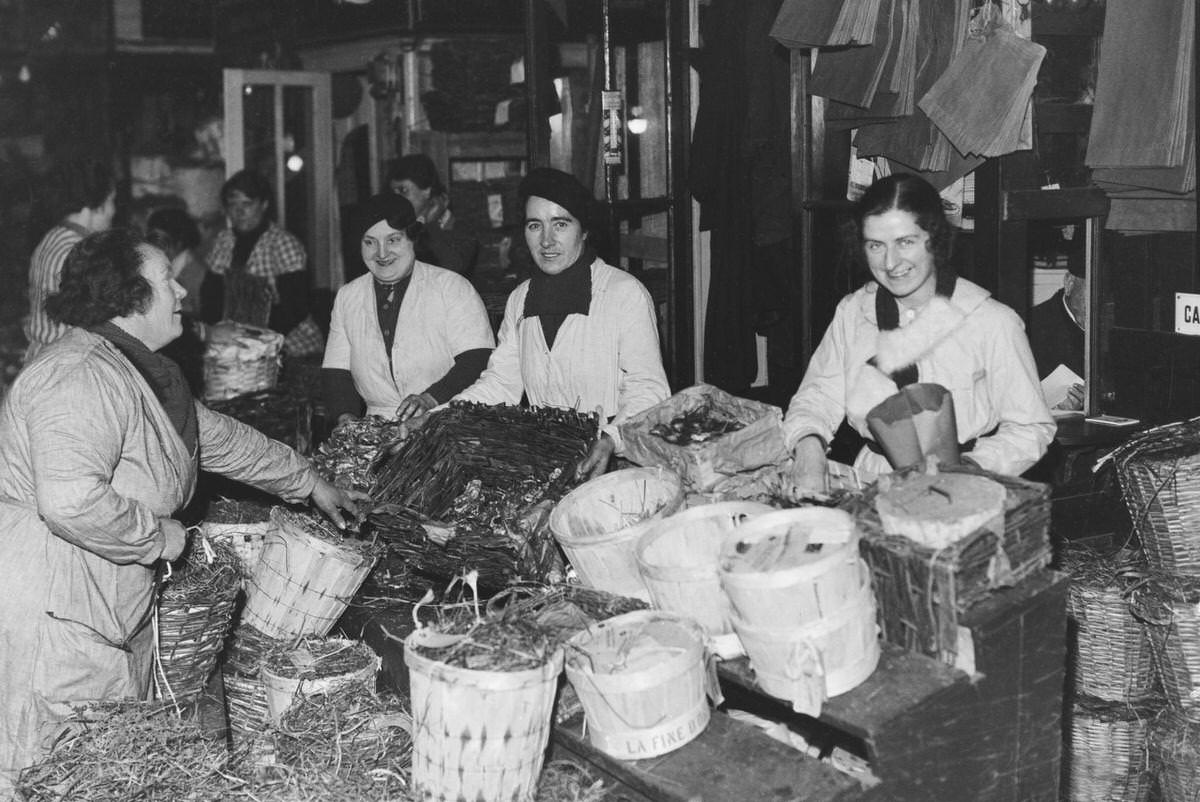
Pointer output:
x,y
100,444
407,336
578,334
917,321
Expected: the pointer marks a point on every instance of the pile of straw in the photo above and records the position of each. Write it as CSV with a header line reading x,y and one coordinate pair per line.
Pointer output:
x,y
132,750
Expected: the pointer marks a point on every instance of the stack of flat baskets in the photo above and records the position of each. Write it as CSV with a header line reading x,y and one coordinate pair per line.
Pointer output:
x,y
1116,694
922,591
1159,471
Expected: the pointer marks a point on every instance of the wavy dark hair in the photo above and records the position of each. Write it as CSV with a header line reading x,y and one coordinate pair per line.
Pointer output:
x,y
77,184
907,193
102,279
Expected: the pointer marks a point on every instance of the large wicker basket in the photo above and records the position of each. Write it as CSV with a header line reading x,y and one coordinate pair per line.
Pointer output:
x,y
1159,471
1107,752
194,612
1170,608
240,359
1110,653
245,694
922,591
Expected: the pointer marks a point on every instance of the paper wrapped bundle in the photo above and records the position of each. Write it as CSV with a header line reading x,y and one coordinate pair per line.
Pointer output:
x,y
706,435
916,423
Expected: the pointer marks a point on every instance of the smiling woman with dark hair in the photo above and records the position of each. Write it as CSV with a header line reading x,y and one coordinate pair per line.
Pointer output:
x,y
100,444
917,321
408,335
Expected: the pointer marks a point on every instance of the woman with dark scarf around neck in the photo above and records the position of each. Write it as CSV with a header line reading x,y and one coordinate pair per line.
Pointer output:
x,y
100,444
580,333
257,270
408,335
917,321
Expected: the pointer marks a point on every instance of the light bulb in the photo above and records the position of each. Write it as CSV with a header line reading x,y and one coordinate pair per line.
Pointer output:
x,y
637,125
295,162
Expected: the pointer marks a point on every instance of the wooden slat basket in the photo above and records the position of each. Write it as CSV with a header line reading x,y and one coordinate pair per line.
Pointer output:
x,y
1159,472
195,608
478,734
306,576
598,525
1109,653
922,592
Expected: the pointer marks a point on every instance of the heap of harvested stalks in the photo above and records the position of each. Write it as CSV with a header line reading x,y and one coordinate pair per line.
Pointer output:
x,y
564,781
204,576
132,750
320,527
348,456
237,511
560,610
275,412
315,657
347,744
472,488
1095,569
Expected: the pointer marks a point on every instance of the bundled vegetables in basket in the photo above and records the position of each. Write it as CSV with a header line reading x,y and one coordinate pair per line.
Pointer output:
x,y
347,457
697,425
473,487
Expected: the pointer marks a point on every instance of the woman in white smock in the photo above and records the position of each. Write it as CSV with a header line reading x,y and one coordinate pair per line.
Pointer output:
x,y
408,335
917,321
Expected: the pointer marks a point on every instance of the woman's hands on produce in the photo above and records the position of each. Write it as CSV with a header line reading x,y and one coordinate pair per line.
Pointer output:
x,y
1074,399
808,468
596,462
174,538
415,406
331,500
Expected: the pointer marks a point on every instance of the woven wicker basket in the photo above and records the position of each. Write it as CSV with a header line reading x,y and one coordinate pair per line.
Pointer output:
x,y
922,591
1175,754
240,359
1170,608
194,612
1107,752
1159,471
245,694
1110,650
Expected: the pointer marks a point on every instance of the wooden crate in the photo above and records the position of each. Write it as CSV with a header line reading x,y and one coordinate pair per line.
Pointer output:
x,y
923,592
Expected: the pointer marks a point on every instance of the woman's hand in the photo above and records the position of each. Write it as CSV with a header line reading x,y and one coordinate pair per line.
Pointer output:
x,y
596,462
174,538
808,469
415,406
331,500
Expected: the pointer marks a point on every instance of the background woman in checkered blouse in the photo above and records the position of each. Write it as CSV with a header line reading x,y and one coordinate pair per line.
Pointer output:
x,y
259,271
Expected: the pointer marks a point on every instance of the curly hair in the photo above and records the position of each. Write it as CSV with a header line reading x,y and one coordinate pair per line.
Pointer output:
x,y
102,279
907,193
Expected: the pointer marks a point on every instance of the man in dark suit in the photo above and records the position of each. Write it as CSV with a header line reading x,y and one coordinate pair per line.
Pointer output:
x,y
1056,330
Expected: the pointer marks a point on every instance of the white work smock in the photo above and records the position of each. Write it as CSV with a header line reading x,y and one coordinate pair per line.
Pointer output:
x,y
608,359
440,317
971,344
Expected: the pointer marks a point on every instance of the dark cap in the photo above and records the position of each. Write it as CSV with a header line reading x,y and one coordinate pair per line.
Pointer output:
x,y
387,206
561,188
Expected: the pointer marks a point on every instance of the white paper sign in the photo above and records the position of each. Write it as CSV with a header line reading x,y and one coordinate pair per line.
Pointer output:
x,y
1187,313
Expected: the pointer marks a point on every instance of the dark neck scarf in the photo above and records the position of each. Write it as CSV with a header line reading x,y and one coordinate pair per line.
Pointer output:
x,y
243,245
887,315
552,298
388,298
164,377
